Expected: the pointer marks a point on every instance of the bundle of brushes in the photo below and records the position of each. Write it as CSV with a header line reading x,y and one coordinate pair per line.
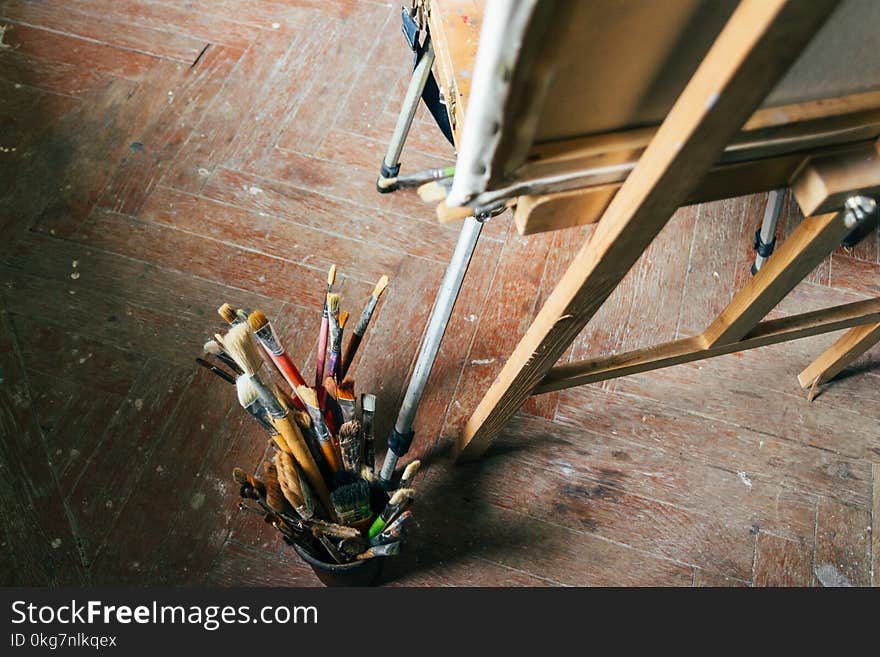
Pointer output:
x,y
319,490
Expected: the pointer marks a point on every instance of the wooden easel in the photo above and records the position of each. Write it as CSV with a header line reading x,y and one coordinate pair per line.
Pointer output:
x,y
684,161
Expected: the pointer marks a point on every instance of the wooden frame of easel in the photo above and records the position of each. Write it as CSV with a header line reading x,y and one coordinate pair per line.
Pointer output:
x,y
753,51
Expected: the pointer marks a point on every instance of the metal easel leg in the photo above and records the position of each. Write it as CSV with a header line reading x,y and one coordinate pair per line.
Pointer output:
x,y
402,434
765,238
391,163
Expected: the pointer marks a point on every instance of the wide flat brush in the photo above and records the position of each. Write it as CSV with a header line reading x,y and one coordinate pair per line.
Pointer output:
x,y
241,346
350,445
325,440
352,503
324,332
361,327
346,400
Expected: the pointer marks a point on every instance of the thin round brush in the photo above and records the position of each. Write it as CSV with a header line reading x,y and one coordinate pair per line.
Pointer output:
x,y
241,346
335,334
396,505
409,474
217,371
394,532
325,327
361,327
325,440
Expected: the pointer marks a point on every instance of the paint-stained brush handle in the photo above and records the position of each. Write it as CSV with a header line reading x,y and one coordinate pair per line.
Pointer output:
x,y
300,452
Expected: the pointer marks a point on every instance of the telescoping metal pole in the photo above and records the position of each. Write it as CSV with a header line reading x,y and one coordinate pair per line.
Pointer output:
x,y
402,434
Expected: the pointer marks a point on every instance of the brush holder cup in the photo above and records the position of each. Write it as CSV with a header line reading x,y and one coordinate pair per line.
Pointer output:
x,y
356,573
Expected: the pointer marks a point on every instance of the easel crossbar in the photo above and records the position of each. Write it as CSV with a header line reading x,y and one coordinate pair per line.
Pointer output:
x,y
690,349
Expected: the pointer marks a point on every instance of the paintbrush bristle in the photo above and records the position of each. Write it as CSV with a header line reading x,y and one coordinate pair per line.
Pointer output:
x,y
401,495
212,347
330,387
380,287
247,390
345,390
307,395
333,303
343,319
240,345
240,476
348,430
274,495
257,320
368,475
411,470
331,275
352,502
227,312
288,479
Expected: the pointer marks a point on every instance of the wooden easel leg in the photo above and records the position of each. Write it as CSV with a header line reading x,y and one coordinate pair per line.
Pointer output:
x,y
839,356
753,51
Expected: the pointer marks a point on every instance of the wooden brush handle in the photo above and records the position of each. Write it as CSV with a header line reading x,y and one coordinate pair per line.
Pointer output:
x,y
350,350
296,445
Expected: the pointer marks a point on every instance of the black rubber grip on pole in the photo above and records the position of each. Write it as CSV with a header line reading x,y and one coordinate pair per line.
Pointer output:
x,y
399,443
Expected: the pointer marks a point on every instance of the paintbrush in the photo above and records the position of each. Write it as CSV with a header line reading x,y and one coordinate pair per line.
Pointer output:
x,y
368,408
249,400
228,314
346,400
241,346
394,532
352,503
304,422
269,340
292,485
223,374
389,550
213,347
325,440
325,328
245,480
336,325
409,474
350,445
274,495
361,327
396,504
332,411
415,179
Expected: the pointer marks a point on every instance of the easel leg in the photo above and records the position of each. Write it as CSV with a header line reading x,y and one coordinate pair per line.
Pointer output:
x,y
753,51
765,238
839,356
391,163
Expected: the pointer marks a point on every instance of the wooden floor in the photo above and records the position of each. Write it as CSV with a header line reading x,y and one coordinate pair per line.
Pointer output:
x,y
161,157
